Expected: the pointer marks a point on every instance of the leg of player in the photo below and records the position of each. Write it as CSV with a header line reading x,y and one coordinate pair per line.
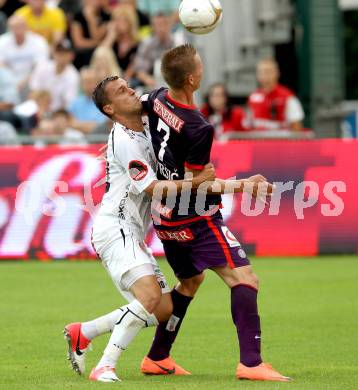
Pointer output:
x,y
244,288
133,317
158,360
79,336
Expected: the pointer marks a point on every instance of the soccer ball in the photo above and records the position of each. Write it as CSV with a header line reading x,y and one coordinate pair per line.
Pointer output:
x,y
200,16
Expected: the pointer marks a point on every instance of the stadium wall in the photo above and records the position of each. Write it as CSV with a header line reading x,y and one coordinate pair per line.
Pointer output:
x,y
48,197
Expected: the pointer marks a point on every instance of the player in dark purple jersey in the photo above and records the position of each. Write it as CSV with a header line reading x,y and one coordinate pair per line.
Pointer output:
x,y
193,233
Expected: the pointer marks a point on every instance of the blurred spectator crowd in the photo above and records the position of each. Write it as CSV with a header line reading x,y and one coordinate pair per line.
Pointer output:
x,y
53,53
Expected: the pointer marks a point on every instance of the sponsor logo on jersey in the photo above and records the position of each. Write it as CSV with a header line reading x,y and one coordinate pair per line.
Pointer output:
x,y
137,170
168,117
122,204
182,235
230,238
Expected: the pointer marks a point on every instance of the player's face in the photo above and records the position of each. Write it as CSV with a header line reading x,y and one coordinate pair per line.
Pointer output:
x,y
196,77
123,99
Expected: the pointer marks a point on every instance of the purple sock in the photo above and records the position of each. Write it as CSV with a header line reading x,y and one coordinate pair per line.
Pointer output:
x,y
245,316
167,331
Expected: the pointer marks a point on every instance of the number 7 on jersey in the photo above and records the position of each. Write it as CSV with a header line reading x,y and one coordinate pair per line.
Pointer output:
x,y
164,144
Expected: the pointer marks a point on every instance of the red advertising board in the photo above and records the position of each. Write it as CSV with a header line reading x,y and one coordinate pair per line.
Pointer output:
x,y
48,197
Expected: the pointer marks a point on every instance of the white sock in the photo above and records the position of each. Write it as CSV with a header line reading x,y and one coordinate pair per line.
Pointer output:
x,y
133,318
101,325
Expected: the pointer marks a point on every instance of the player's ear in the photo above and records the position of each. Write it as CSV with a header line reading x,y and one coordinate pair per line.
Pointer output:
x,y
108,109
191,79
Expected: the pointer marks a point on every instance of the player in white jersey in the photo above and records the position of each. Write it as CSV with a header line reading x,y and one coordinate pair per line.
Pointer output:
x,y
118,234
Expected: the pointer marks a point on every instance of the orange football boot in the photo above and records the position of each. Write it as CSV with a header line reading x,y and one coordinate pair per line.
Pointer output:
x,y
162,367
262,372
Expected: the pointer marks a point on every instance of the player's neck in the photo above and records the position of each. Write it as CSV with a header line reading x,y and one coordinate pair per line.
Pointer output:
x,y
133,123
182,96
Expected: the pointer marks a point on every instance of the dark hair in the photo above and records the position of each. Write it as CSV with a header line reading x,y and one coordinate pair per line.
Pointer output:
x,y
178,64
229,105
99,95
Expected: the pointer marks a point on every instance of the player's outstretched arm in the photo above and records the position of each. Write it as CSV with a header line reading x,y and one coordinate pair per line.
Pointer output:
x,y
256,186
163,188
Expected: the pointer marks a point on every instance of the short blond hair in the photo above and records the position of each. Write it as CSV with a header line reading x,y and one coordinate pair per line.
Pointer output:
x,y
177,64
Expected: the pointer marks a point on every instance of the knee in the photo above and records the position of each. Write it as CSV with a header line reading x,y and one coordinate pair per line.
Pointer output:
x,y
254,281
189,287
150,299
251,279
243,276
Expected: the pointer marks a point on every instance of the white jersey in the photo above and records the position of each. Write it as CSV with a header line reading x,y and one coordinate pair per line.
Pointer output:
x,y
123,218
125,207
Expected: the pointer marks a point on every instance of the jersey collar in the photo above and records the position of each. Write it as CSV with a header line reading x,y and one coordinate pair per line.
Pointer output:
x,y
178,104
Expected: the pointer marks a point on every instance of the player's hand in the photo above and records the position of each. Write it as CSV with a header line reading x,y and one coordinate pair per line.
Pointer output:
x,y
208,174
258,187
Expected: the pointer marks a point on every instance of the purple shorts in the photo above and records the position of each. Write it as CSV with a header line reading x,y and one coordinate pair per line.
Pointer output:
x,y
202,245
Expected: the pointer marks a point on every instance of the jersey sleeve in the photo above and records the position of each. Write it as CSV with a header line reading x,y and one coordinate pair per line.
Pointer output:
x,y
199,148
148,101
135,163
146,104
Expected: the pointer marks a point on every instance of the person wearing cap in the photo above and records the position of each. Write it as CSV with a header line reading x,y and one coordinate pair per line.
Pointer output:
x,y
59,77
46,21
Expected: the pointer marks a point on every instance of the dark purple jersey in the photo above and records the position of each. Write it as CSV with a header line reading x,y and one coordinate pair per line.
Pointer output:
x,y
181,137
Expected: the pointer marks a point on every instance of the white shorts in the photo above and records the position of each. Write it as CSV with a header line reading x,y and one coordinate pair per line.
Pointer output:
x,y
126,261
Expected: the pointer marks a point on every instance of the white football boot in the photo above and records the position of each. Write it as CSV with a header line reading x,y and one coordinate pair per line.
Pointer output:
x,y
78,345
104,374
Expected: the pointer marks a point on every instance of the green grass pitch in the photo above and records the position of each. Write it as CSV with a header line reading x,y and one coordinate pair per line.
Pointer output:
x,y
309,315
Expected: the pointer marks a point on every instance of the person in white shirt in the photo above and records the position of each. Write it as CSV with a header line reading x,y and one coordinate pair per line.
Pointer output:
x,y
119,230
21,50
59,77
